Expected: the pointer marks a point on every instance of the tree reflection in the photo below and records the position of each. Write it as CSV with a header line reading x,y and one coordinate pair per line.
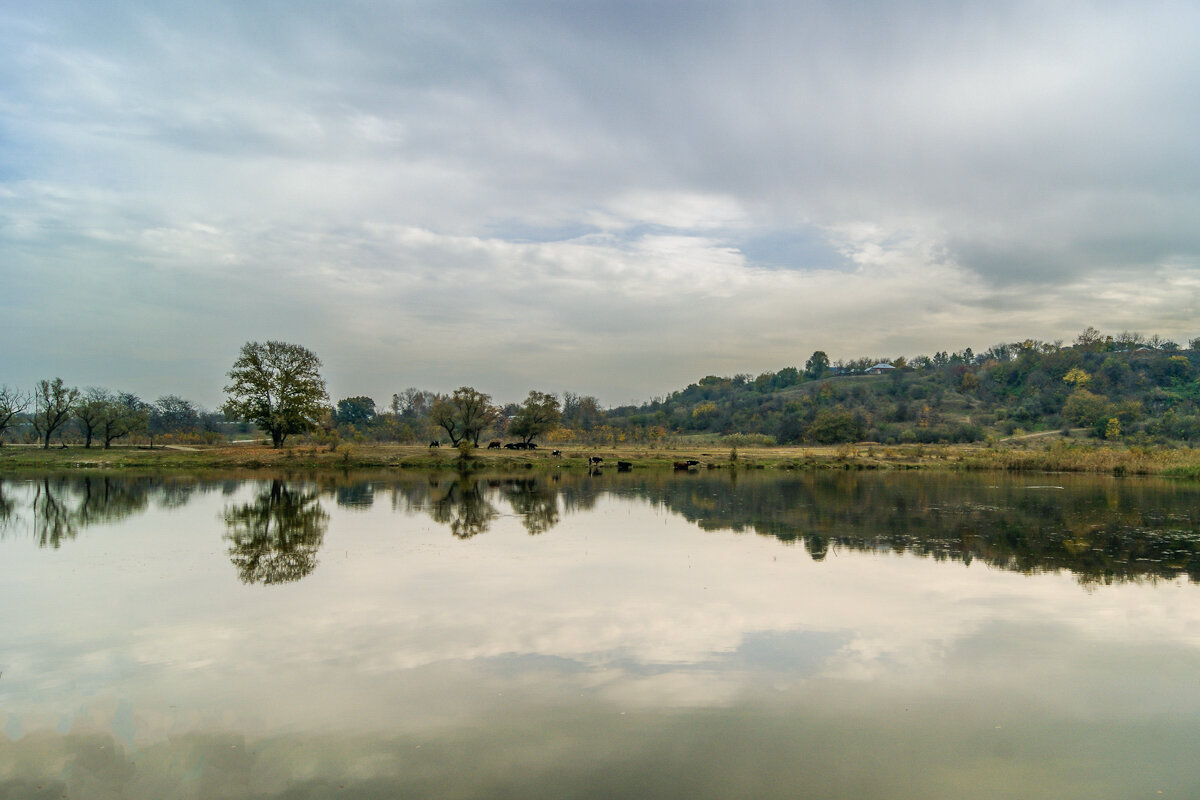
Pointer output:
x,y
107,499
8,510
53,520
536,502
1101,532
462,504
63,506
275,538
356,496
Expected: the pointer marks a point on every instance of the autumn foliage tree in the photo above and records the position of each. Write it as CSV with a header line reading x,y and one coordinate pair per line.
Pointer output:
x,y
538,415
464,415
277,386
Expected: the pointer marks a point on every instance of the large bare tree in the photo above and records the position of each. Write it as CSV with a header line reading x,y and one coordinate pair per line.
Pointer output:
x,y
12,404
52,406
90,412
278,387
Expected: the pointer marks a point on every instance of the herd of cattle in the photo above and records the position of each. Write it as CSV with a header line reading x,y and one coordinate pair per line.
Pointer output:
x,y
594,462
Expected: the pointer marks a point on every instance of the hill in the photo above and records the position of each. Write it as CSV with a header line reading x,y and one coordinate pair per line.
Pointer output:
x,y
1100,387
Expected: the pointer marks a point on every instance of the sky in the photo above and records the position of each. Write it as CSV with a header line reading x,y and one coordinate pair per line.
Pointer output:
x,y
610,198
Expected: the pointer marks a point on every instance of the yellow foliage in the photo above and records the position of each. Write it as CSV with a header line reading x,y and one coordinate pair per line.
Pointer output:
x,y
1077,377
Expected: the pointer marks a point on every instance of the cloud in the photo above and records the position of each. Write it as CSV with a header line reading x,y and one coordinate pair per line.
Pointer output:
x,y
606,198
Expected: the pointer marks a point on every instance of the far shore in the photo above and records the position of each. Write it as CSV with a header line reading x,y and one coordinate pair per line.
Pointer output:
x,y
1031,455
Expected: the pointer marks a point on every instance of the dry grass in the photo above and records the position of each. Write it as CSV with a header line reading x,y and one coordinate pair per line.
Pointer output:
x,y
1033,456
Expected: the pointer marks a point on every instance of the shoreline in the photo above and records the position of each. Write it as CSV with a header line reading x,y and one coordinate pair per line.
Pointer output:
x,y
1056,456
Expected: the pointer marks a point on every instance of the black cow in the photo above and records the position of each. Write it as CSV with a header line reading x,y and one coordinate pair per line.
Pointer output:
x,y
556,453
595,461
435,444
624,466
493,445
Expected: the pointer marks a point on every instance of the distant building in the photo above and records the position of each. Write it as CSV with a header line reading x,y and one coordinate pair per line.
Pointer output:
x,y
880,368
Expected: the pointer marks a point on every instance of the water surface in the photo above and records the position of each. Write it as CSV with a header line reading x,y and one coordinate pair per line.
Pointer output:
x,y
702,635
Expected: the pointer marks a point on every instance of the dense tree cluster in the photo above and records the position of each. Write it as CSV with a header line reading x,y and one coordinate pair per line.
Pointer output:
x,y
1127,386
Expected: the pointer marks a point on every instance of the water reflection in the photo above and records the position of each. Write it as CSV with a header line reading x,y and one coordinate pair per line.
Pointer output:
x,y
1102,530
621,653
463,505
275,538
63,506
536,501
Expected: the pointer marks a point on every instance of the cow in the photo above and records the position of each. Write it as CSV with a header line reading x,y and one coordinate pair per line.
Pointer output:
x,y
624,466
512,446
595,461
681,466
493,445
435,443
556,453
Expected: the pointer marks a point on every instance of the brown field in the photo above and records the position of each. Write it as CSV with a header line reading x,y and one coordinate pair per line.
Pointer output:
x,y
1042,455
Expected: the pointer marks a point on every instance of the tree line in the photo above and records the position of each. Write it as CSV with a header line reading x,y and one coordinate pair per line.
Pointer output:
x,y
276,389
100,416
1126,386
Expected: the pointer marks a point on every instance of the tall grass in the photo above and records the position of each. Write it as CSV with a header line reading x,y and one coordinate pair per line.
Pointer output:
x,y
1068,457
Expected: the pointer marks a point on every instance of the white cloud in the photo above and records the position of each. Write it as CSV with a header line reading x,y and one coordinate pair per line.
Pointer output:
x,y
549,196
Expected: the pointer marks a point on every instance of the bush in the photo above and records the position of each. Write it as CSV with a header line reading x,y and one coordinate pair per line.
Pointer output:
x,y
748,440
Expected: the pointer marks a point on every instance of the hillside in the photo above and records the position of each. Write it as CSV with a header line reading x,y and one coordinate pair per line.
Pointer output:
x,y
1098,388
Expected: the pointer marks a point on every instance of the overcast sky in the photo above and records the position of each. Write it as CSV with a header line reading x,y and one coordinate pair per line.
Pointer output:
x,y
613,198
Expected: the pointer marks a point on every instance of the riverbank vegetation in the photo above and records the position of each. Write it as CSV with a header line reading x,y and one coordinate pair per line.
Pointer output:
x,y
1014,404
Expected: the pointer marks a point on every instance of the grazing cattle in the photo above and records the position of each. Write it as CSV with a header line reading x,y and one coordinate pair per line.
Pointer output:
x,y
680,466
624,466
493,446
595,461
531,446
692,463
435,444
557,453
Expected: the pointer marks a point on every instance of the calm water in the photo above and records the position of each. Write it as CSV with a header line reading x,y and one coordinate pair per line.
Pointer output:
x,y
707,635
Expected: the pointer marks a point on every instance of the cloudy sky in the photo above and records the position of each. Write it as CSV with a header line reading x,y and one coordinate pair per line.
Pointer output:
x,y
609,197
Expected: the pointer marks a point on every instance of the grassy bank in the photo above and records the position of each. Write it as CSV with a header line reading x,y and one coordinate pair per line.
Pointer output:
x,y
1031,456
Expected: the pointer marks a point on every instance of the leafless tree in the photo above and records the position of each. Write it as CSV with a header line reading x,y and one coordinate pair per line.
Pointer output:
x,y
12,404
52,406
